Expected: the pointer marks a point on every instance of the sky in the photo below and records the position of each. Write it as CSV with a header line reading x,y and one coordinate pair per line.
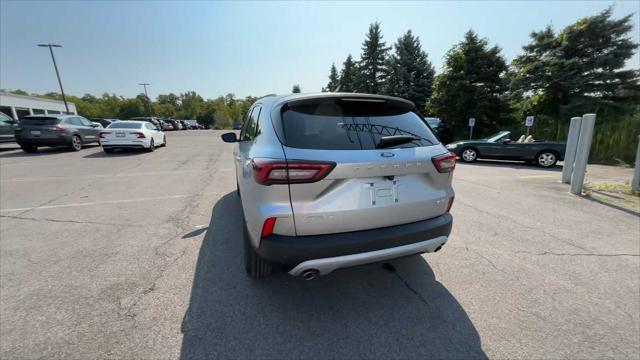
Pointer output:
x,y
246,48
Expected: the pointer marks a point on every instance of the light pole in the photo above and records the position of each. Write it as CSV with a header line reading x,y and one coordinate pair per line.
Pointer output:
x,y
55,66
145,94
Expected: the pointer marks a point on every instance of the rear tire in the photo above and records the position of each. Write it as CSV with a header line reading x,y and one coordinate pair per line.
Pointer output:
x,y
469,155
76,143
29,149
546,159
152,147
256,267
164,141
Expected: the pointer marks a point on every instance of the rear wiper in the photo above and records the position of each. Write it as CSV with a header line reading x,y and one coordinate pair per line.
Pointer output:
x,y
387,141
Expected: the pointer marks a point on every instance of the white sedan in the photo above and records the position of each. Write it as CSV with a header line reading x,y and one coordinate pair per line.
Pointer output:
x,y
132,134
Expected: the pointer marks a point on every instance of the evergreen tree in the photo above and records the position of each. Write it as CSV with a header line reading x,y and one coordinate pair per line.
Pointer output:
x,y
334,80
472,84
348,75
295,89
410,74
372,61
579,70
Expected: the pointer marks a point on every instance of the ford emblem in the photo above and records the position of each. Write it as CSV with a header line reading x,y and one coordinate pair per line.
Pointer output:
x,y
387,154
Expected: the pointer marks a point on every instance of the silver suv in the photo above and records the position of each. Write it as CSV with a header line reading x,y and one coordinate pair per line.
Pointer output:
x,y
334,180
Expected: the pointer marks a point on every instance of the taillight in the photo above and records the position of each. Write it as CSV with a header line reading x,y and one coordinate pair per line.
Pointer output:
x,y
450,203
57,128
103,133
267,227
138,134
268,172
444,163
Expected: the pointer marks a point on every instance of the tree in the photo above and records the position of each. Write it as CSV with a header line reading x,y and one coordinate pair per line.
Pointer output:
x,y
18,92
170,98
578,70
130,108
295,89
190,105
334,80
372,61
410,74
348,75
472,84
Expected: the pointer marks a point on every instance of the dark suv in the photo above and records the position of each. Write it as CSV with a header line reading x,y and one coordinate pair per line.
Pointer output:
x,y
59,130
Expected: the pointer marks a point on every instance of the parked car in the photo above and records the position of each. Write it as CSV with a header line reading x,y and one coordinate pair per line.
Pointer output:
x,y
362,174
55,130
192,124
185,125
501,146
132,134
237,126
7,128
165,125
176,124
97,125
153,120
104,122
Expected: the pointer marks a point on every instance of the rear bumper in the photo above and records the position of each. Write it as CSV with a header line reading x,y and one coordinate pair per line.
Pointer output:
x,y
371,245
136,144
62,140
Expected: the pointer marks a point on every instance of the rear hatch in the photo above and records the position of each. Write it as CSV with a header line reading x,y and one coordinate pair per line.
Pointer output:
x,y
39,127
379,154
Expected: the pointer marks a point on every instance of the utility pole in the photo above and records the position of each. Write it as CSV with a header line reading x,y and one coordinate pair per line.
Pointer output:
x,y
145,94
55,66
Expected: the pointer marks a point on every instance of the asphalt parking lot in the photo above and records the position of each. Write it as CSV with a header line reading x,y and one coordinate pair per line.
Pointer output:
x,y
139,255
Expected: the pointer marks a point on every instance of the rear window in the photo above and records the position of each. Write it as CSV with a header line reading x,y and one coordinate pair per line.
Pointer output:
x,y
39,120
124,125
344,125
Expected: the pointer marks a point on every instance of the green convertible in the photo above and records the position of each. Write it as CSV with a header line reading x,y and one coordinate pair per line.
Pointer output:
x,y
501,146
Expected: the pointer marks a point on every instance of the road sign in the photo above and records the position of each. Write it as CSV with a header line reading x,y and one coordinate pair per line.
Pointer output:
x,y
528,121
472,122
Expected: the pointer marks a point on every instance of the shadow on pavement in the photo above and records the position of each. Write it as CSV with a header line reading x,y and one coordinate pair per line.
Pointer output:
x,y
365,312
116,153
42,151
511,164
613,206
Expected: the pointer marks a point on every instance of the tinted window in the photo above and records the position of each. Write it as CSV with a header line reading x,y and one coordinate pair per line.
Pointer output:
x,y
84,121
250,127
4,117
350,126
124,125
74,121
39,120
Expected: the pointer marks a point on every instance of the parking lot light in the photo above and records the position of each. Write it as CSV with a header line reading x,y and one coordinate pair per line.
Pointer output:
x,y
55,66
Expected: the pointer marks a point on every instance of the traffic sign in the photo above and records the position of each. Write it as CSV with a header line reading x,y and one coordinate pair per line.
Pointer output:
x,y
529,121
472,122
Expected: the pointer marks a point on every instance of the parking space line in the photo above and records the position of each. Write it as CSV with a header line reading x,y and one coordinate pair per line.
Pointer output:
x,y
106,202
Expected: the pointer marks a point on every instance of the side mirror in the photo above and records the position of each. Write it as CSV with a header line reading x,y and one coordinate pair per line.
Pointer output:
x,y
94,125
505,141
229,137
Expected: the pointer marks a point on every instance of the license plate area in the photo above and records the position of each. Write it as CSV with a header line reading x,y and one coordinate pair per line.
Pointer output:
x,y
120,134
383,192
35,132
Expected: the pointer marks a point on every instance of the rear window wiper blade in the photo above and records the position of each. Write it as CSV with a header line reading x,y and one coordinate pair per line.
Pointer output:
x,y
387,141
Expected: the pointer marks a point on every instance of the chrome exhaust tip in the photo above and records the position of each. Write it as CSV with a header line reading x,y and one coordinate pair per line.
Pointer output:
x,y
310,274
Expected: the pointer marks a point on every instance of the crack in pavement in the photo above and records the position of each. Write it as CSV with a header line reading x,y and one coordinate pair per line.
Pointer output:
x,y
75,221
575,254
565,241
